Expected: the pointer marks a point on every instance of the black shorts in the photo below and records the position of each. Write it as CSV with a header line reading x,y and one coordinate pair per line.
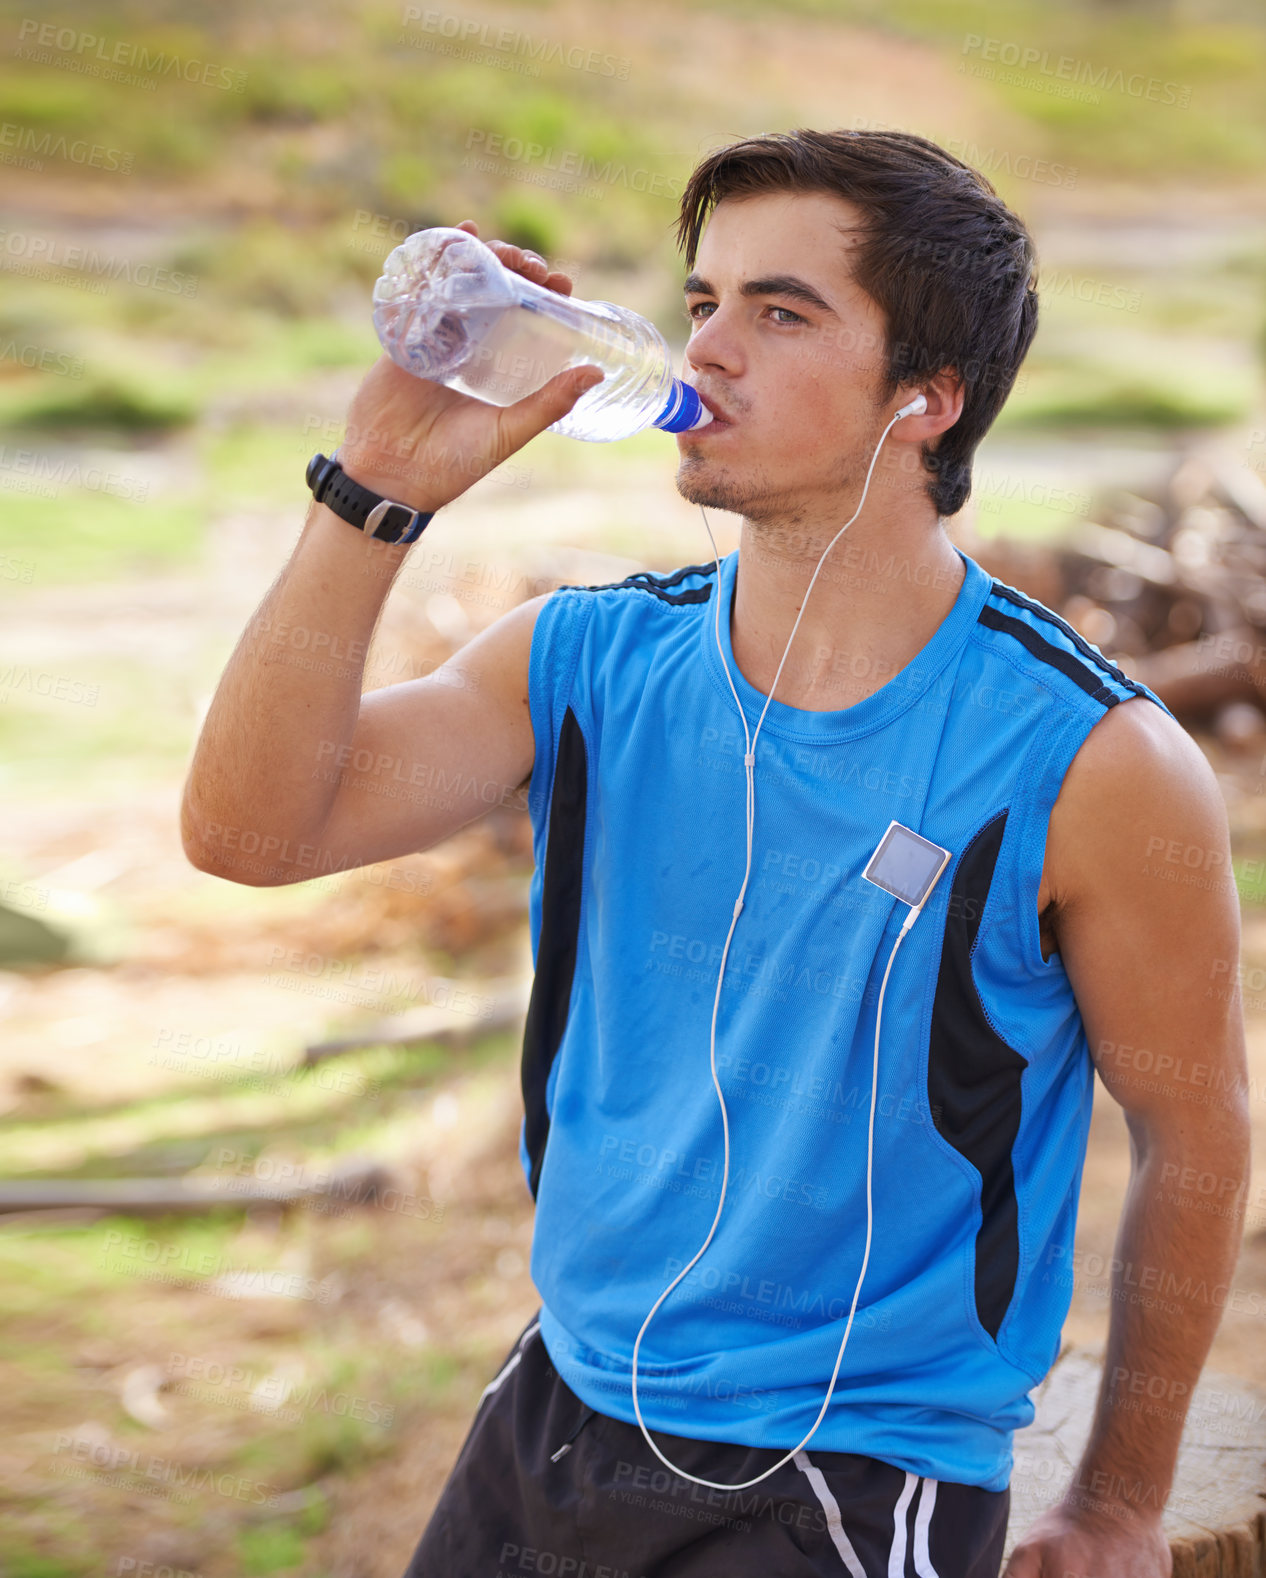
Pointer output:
x,y
546,1487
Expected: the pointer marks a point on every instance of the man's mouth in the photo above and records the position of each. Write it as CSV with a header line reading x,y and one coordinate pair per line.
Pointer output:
x,y
720,418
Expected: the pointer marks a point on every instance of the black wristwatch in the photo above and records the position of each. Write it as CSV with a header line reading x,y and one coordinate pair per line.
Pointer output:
x,y
361,507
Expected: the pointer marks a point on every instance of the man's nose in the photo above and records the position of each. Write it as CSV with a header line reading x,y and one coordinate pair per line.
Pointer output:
x,y
714,343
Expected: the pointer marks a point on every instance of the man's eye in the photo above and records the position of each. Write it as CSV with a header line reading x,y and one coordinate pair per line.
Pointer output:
x,y
790,317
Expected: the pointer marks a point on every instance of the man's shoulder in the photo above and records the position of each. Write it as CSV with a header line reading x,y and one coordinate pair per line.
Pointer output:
x,y
1141,749
1036,642
1140,759
687,584
1138,789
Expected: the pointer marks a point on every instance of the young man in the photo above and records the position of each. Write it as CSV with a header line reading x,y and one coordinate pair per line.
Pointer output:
x,y
901,1243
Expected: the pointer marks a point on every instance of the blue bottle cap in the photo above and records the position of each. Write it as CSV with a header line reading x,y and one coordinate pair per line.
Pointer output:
x,y
682,411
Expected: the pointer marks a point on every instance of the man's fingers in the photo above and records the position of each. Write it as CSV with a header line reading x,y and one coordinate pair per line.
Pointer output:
x,y
534,413
521,260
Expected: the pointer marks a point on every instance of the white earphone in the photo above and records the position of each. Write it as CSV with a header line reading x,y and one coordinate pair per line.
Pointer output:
x,y
916,407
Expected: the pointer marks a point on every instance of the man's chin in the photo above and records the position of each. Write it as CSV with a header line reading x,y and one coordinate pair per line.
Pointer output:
x,y
717,490
699,483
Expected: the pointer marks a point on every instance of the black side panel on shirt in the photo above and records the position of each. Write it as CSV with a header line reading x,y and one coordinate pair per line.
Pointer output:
x,y
974,1079
556,945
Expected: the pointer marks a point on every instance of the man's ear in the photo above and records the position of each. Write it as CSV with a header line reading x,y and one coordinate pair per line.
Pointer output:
x,y
944,394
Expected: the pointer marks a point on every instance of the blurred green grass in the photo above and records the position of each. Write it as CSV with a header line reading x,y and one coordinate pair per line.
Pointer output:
x,y
1093,395
83,535
1208,115
68,1286
188,1122
274,294
277,84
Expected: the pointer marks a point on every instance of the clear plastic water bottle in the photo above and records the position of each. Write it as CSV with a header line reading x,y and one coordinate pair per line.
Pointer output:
x,y
447,309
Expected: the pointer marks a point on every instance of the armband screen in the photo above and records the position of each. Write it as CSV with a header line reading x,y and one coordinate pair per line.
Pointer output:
x,y
905,864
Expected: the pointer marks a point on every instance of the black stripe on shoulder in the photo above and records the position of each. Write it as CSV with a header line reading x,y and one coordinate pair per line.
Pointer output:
x,y
1065,662
661,585
1075,636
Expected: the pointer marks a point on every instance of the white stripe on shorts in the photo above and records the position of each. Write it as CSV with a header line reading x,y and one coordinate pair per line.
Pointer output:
x,y
897,1550
922,1523
831,1507
510,1362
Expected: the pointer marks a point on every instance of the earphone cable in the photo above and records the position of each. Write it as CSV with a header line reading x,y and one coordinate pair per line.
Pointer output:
x,y
749,764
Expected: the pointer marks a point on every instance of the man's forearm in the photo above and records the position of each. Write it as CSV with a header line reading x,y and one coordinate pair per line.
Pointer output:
x,y
291,688
1171,1272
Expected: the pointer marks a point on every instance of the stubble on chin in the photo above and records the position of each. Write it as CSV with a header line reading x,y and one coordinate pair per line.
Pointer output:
x,y
700,481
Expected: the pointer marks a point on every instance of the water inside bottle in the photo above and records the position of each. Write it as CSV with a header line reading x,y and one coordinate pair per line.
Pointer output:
x,y
522,347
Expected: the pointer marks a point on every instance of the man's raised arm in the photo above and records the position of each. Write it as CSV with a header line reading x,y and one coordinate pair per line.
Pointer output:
x,y
295,773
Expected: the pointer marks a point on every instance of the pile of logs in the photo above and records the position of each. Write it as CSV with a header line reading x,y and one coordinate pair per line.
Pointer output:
x,y
1171,588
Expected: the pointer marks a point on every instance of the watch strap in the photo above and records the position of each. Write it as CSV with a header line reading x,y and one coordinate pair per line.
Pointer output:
x,y
368,511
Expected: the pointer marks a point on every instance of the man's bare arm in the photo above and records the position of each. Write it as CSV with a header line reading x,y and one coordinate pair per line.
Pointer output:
x,y
295,773
1149,960
430,755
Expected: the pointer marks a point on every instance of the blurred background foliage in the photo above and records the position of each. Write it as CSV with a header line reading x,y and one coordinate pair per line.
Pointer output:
x,y
174,419
343,112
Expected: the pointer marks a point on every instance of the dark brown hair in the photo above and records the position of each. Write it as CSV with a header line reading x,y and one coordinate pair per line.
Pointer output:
x,y
942,256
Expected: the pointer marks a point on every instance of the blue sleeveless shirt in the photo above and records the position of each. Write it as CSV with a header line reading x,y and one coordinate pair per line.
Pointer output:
x,y
637,799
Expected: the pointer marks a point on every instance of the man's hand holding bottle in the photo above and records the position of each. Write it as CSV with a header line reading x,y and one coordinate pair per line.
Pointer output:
x,y
423,444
